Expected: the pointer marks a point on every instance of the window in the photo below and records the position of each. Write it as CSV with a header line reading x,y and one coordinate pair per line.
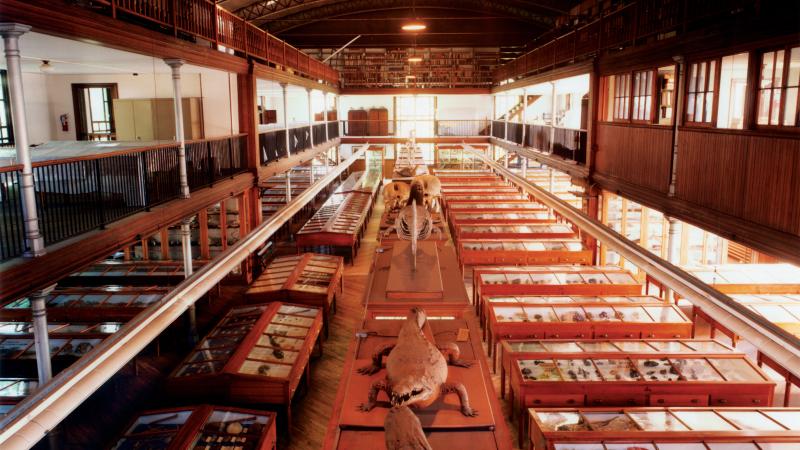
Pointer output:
x,y
642,95
665,84
6,128
778,88
94,116
622,88
732,88
700,94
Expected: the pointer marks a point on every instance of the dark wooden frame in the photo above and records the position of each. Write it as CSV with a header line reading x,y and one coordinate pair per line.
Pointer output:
x,y
79,108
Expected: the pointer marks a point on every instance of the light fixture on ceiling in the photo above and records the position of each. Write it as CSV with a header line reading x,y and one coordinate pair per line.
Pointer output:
x,y
414,26
46,67
414,59
410,77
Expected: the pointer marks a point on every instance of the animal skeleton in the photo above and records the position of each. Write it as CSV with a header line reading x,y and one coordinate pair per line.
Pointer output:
x,y
414,223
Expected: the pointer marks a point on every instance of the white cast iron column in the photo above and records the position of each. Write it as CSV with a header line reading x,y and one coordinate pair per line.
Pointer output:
x,y
175,65
33,238
41,340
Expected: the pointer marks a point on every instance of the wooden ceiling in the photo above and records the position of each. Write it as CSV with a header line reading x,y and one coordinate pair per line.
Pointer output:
x,y
450,23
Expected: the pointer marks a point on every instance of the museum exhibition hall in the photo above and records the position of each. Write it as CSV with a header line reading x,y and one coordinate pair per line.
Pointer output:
x,y
399,224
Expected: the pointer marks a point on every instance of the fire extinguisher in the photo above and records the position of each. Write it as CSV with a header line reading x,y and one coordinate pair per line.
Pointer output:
x,y
64,122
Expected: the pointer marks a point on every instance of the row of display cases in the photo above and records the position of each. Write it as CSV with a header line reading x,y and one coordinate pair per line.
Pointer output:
x,y
442,421
530,252
117,303
255,354
500,218
552,280
202,427
13,390
678,428
586,320
307,279
340,222
599,380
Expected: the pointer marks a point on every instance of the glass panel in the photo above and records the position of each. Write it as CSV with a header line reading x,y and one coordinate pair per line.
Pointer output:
x,y
570,314
527,347
708,346
657,370
233,430
562,347
540,314
751,420
609,421
570,446
664,314
632,314
703,420
789,419
561,421
164,422
265,369
670,346
730,446
601,314
696,370
617,370
630,446
736,369
285,343
681,446
539,370
578,369
657,421
273,355
599,346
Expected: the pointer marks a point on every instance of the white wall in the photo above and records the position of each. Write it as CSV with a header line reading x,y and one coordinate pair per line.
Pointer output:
x,y
48,96
464,107
37,108
220,103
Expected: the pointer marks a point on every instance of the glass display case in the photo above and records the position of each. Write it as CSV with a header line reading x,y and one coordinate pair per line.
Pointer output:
x,y
129,273
255,354
513,350
534,231
621,427
555,280
529,217
339,223
628,379
13,390
116,303
544,251
750,278
585,320
502,206
201,427
309,279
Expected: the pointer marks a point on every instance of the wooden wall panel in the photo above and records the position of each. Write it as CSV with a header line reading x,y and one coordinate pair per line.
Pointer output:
x,y
710,168
637,154
756,178
773,183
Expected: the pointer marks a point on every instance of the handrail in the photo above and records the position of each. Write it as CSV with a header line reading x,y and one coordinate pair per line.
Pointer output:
x,y
129,151
770,339
11,168
31,419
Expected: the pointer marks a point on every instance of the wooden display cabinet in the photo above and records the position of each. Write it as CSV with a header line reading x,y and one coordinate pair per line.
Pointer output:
x,y
637,380
500,218
556,280
748,278
470,179
552,429
535,231
340,222
544,251
202,427
68,342
86,304
494,207
468,189
641,317
512,350
138,273
350,428
256,354
308,279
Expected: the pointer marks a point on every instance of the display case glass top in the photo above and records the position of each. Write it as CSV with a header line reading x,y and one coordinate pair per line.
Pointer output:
x,y
640,368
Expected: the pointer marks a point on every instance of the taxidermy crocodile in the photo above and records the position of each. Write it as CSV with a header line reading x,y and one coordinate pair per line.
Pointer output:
x,y
403,431
416,370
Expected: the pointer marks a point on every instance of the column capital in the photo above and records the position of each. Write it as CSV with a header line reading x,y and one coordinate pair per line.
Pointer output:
x,y
9,29
187,220
175,63
284,85
43,292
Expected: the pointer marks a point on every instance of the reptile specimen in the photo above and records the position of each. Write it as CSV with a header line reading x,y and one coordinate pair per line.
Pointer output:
x,y
416,370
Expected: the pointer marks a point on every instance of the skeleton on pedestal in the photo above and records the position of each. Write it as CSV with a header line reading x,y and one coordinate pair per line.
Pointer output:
x,y
414,222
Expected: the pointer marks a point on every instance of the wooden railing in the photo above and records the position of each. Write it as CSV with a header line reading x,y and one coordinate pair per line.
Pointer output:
x,y
76,195
631,24
204,19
